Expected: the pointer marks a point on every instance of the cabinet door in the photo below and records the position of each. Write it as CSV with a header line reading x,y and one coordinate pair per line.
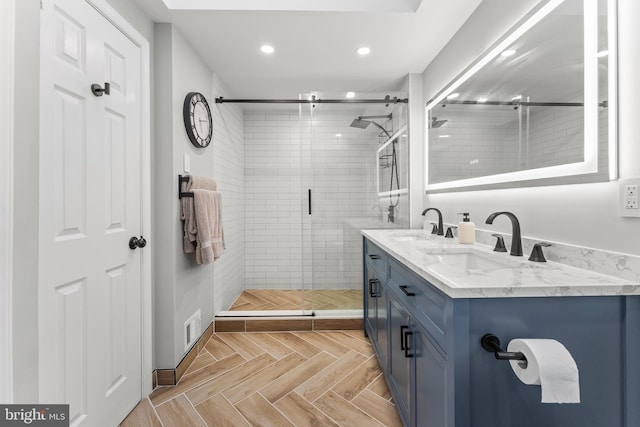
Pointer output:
x,y
371,286
399,362
430,380
382,317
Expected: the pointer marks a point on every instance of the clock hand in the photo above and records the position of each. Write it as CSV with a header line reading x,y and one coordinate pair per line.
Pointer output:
x,y
201,121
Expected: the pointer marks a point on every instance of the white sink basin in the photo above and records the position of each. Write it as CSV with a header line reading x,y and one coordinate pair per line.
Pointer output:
x,y
411,237
469,260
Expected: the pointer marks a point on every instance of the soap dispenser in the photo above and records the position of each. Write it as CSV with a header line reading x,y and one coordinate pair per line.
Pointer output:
x,y
466,230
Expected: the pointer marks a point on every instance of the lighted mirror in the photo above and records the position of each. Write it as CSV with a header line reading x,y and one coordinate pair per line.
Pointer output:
x,y
392,165
538,107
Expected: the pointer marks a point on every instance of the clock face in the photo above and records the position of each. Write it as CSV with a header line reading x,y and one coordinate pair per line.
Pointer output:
x,y
197,119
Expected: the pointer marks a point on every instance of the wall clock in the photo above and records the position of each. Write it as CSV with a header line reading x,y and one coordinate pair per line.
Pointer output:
x,y
197,119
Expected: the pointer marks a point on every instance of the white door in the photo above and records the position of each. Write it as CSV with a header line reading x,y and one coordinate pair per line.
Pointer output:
x,y
89,292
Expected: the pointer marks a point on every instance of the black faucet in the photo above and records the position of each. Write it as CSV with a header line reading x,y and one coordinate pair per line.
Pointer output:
x,y
516,241
440,226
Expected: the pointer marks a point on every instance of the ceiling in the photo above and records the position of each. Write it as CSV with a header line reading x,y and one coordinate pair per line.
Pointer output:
x,y
315,41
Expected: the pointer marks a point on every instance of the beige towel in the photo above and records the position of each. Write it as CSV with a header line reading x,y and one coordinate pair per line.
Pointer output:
x,y
209,238
187,214
189,230
202,183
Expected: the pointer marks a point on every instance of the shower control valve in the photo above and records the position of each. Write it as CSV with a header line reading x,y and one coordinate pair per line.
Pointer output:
x,y
391,214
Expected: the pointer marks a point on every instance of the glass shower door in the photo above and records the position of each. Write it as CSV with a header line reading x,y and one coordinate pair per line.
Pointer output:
x,y
273,211
339,168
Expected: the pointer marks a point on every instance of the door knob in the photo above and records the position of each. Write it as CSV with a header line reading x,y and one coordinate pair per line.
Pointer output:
x,y
134,242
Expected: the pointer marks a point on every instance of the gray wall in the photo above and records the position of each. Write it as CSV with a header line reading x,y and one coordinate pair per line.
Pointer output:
x,y
181,287
584,214
25,205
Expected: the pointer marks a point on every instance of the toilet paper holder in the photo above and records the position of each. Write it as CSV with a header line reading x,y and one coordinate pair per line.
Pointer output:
x,y
491,343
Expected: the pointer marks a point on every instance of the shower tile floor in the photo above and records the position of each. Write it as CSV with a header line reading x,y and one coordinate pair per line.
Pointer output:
x,y
286,299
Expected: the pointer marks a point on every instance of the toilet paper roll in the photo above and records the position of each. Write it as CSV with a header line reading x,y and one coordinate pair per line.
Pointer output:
x,y
551,366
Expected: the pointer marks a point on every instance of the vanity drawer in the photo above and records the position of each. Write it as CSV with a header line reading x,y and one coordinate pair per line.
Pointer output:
x,y
376,258
427,303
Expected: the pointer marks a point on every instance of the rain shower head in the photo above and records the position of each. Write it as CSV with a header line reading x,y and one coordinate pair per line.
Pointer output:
x,y
435,123
360,123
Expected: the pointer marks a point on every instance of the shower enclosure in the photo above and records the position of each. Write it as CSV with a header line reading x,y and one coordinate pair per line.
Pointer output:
x,y
311,185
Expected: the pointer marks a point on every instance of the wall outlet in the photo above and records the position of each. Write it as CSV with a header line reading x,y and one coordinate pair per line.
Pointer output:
x,y
192,330
629,197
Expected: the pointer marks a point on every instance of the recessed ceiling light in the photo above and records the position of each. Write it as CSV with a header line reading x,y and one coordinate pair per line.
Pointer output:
x,y
453,95
363,50
444,136
338,135
350,95
508,52
265,48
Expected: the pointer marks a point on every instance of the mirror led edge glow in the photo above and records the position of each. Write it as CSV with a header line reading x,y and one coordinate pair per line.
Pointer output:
x,y
526,26
612,27
590,163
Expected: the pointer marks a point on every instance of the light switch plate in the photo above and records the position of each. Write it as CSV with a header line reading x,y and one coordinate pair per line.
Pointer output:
x,y
629,204
186,163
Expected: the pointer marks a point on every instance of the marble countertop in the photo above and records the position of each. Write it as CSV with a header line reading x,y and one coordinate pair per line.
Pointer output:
x,y
476,271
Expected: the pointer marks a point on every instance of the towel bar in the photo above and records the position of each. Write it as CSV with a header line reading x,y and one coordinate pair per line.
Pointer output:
x,y
181,193
491,343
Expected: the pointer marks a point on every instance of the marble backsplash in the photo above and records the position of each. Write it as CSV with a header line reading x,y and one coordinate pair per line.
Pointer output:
x,y
624,266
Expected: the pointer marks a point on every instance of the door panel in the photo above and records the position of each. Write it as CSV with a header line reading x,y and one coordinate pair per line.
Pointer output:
x,y
430,377
90,186
70,353
382,325
399,364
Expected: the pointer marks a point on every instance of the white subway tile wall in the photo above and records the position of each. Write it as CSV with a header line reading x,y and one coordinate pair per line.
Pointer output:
x,y
229,151
285,155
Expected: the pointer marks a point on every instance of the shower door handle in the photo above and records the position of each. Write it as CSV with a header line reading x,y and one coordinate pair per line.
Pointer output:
x,y
309,201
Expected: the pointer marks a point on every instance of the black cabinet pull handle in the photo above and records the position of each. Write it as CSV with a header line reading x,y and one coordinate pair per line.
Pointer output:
x,y
374,256
403,329
309,192
407,348
372,293
406,292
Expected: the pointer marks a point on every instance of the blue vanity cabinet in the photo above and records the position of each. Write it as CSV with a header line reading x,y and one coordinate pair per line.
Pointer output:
x,y
406,320
440,376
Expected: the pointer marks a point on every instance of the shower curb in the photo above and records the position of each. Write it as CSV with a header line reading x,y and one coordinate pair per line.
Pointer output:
x,y
302,323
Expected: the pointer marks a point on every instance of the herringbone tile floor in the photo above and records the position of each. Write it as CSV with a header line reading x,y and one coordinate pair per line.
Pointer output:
x,y
276,379
292,299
